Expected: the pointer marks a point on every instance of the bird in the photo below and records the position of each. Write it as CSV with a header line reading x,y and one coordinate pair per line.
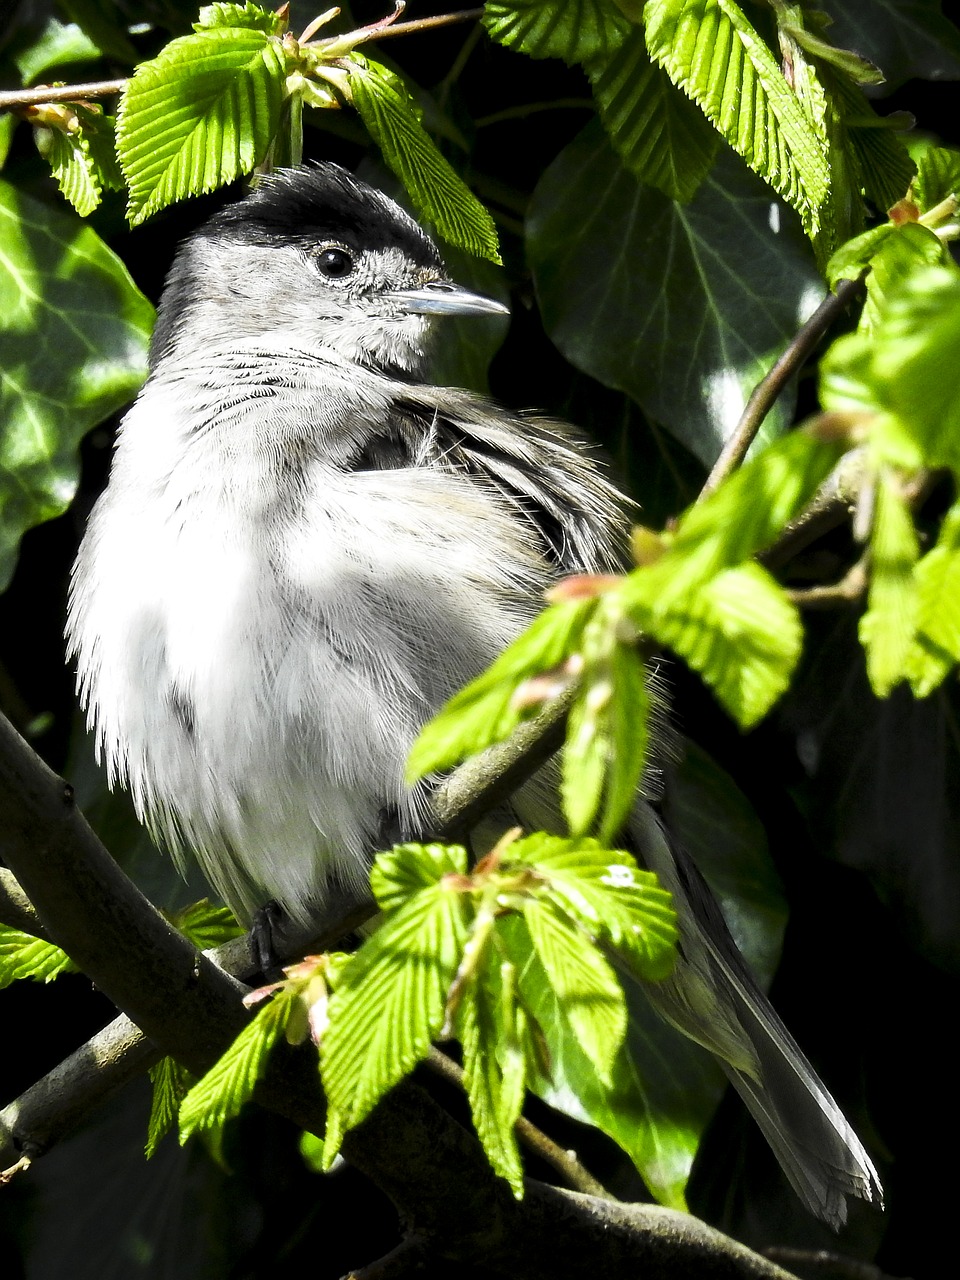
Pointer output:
x,y
305,549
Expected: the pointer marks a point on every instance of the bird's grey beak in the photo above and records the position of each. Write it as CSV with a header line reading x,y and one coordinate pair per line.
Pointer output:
x,y
441,298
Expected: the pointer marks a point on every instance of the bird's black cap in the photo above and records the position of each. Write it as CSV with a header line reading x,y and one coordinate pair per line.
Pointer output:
x,y
320,202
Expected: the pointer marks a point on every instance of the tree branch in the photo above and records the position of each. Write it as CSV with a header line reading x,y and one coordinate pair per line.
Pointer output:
x,y
766,391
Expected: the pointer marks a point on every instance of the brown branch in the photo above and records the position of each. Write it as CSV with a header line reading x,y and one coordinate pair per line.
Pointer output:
x,y
766,391
60,93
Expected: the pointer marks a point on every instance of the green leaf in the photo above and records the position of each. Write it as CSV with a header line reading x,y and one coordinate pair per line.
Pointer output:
x,y
714,54
658,133
495,1101
586,986
170,1082
905,40
609,896
98,19
219,1095
207,925
683,307
937,580
606,742
68,155
74,331
484,712
57,45
912,246
745,515
24,956
574,30
199,115
857,254
906,370
662,1087
439,193
390,1001
234,16
741,633
890,622
408,868
937,177
82,157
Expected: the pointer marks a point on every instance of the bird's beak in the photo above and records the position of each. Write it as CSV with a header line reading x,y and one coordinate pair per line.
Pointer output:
x,y
441,298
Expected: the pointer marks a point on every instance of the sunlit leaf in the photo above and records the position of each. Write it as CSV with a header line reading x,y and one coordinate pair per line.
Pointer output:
x,y
890,622
230,1082
741,633
199,115
711,50
439,193
658,133
389,1003
24,956
408,868
586,986
574,30
74,331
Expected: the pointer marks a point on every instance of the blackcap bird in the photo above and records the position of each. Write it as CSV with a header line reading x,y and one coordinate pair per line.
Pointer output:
x,y
304,549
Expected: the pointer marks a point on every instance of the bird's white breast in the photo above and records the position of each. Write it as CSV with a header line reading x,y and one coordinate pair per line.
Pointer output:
x,y
258,644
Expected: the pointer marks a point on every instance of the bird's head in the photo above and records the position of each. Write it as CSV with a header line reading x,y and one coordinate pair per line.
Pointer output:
x,y
318,258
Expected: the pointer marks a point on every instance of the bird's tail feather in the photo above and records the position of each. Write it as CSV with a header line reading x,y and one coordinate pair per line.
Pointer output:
x,y
713,998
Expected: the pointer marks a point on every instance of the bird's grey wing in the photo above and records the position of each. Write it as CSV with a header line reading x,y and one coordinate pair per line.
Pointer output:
x,y
552,475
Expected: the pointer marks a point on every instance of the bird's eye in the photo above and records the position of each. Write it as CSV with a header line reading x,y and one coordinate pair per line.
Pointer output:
x,y
334,262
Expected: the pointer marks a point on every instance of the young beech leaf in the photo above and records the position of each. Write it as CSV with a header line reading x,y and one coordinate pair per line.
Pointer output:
x,y
585,984
607,737
574,30
408,868
240,15
390,1001
713,53
199,115
485,712
907,249
743,516
654,1104
937,178
24,956
937,578
170,1082
495,1100
740,632
610,897
439,193
219,1095
207,925
658,133
888,627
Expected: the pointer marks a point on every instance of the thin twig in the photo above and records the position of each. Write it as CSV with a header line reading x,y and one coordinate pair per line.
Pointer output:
x,y
766,391
426,24
104,88
535,1140
60,93
850,588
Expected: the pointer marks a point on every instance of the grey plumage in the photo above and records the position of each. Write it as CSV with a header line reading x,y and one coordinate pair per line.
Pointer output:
x,y
304,549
